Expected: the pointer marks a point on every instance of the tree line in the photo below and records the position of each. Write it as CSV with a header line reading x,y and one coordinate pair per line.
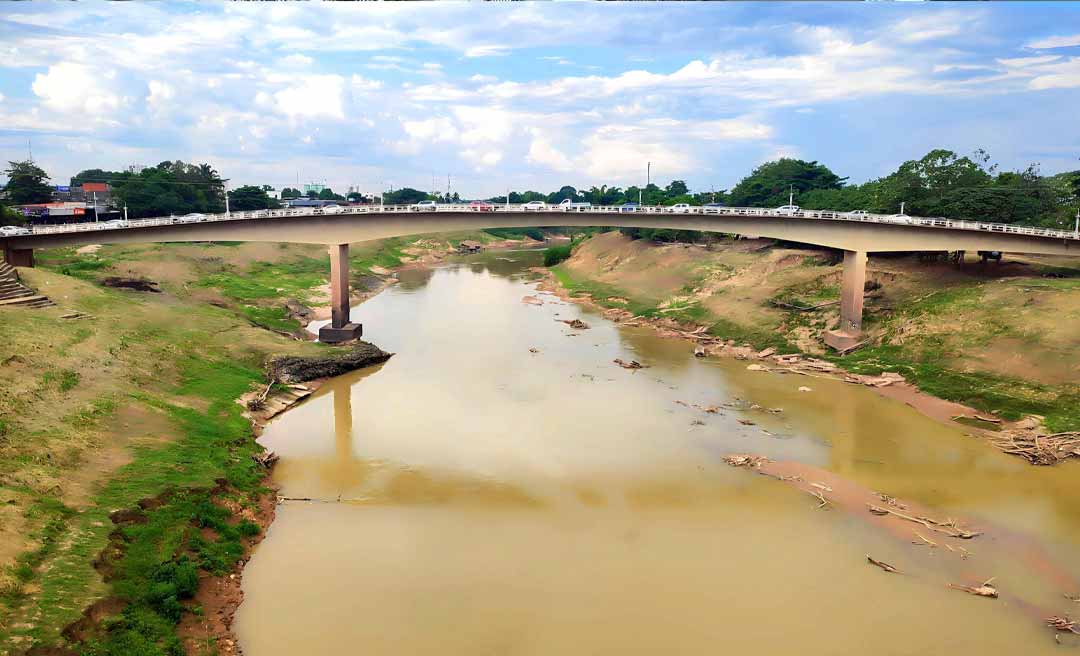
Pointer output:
x,y
942,183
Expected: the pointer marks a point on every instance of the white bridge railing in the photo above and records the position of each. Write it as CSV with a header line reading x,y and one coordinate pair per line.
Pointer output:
x,y
828,215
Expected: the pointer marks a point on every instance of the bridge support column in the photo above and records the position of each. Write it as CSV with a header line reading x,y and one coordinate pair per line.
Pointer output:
x,y
849,332
340,328
20,257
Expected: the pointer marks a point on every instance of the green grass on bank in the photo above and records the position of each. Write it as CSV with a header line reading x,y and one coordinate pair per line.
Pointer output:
x,y
176,364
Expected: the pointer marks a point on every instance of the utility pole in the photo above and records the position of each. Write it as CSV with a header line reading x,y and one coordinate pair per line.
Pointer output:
x,y
125,213
1076,230
225,187
791,195
448,187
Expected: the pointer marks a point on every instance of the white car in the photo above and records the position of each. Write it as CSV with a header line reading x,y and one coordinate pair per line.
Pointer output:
x,y
787,209
193,217
568,205
116,223
333,209
680,208
534,206
13,231
858,214
901,218
425,206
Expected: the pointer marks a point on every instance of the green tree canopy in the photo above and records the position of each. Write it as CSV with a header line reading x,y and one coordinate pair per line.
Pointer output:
x,y
768,184
251,197
27,183
406,196
171,187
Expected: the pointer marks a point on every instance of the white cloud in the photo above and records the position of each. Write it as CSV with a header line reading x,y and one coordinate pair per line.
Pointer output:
x,y
483,78
161,93
360,83
74,88
313,97
543,153
1028,61
1055,42
1063,75
487,51
297,61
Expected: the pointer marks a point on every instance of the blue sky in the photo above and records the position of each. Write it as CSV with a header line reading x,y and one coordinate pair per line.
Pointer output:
x,y
535,96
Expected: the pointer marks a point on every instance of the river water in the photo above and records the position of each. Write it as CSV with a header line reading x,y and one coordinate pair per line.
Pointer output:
x,y
470,497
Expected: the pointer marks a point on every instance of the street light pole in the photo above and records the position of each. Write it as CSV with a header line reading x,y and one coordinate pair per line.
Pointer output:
x,y
225,186
1076,230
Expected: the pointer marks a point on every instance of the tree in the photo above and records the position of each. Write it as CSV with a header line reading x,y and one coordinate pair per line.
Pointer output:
x,y
250,197
676,188
171,187
768,184
328,194
406,196
27,183
288,193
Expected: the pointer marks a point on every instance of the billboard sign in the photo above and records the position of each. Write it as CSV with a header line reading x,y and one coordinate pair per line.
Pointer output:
x,y
63,188
95,186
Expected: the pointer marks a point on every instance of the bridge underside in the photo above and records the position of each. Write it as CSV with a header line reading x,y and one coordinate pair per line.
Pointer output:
x,y
855,238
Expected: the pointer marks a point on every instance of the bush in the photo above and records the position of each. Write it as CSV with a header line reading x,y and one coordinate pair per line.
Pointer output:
x,y
555,254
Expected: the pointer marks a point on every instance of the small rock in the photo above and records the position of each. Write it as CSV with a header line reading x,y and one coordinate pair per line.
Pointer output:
x,y
804,388
755,367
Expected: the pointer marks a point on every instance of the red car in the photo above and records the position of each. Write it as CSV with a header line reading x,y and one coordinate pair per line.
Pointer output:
x,y
481,206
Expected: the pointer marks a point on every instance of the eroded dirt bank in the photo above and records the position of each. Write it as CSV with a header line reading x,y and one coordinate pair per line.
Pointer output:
x,y
933,328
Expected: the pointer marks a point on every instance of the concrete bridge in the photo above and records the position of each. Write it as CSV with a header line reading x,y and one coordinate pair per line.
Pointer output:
x,y
857,234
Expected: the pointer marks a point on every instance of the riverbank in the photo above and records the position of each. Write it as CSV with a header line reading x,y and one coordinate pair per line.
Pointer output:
x,y
938,327
131,397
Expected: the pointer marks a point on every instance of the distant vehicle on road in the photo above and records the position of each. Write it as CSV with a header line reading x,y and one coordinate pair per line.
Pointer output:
x,y
194,217
712,208
787,209
534,206
481,206
425,206
568,205
858,214
13,231
629,207
115,223
901,218
332,209
680,208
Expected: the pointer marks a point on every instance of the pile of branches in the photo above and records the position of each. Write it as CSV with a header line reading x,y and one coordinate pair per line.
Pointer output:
x,y
1039,449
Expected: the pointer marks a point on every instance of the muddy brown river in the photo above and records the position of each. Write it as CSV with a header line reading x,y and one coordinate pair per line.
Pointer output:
x,y
471,497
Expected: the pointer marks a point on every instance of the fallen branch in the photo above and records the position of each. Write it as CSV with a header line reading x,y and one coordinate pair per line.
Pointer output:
x,y
984,590
948,527
745,460
1062,623
883,565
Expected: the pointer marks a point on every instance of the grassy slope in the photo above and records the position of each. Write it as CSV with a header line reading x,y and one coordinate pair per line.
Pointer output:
x,y
136,399
1002,339
177,364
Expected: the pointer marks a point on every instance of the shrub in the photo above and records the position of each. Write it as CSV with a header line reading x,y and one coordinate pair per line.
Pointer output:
x,y
555,254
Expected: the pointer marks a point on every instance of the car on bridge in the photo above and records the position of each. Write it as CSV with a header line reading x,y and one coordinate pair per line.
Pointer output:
x,y
332,209
14,231
568,205
680,208
481,206
858,214
712,208
534,206
193,217
629,207
787,209
425,206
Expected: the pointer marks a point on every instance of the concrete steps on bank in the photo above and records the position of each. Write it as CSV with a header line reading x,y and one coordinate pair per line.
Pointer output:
x,y
15,294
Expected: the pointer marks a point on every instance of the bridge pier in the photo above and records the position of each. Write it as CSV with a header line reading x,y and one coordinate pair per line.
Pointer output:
x,y
340,328
849,332
20,257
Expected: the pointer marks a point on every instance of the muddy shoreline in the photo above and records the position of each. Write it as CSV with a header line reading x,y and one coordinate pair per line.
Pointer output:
x,y
898,389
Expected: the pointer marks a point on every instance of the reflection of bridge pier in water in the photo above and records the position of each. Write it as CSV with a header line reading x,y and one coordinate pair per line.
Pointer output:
x,y
343,424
